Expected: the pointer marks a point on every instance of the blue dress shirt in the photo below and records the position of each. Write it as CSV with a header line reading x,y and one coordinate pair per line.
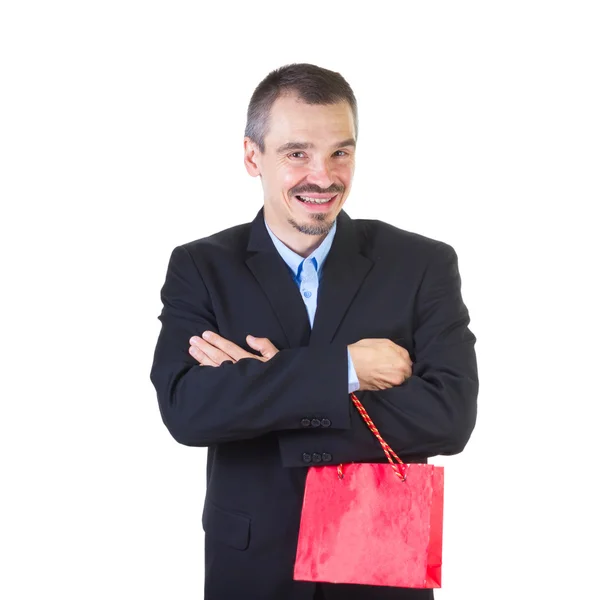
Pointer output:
x,y
307,273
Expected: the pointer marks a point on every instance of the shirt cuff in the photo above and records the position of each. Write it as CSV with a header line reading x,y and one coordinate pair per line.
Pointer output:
x,y
353,381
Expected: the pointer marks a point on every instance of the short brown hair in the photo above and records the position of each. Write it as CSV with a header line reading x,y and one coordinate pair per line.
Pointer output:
x,y
314,85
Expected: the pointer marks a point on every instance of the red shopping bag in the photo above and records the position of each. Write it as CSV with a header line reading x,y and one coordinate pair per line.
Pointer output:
x,y
372,523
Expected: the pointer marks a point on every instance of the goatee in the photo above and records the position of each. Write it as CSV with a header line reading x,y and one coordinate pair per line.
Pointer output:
x,y
321,228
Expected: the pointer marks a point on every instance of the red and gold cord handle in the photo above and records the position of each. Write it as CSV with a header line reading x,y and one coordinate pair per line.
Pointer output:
x,y
386,448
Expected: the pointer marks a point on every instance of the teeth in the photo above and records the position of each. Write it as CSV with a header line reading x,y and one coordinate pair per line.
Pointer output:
x,y
315,200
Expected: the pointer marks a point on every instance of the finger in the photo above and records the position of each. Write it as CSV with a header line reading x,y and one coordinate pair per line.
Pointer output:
x,y
216,355
201,357
205,361
402,351
263,345
406,369
229,348
404,356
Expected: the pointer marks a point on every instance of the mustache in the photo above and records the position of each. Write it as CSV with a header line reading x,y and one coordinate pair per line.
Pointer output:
x,y
313,189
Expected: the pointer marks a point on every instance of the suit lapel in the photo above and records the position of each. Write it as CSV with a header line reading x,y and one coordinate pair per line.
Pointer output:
x,y
274,276
343,273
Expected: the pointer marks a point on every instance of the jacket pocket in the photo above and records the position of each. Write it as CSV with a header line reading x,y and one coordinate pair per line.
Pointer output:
x,y
225,526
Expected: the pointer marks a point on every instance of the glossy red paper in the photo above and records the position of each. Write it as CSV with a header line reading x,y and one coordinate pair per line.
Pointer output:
x,y
371,527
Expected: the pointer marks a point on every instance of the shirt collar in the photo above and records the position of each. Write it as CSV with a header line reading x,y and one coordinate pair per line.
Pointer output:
x,y
294,260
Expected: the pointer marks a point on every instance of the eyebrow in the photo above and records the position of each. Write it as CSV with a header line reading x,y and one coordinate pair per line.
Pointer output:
x,y
306,145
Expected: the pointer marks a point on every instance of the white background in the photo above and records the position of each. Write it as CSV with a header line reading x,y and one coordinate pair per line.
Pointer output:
x,y
121,137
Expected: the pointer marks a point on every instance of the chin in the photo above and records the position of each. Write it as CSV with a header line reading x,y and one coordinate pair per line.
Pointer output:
x,y
314,226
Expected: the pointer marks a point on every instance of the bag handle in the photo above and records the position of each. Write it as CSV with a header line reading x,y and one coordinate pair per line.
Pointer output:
x,y
385,447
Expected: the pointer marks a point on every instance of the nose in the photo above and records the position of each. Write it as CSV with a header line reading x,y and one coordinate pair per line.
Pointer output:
x,y
320,174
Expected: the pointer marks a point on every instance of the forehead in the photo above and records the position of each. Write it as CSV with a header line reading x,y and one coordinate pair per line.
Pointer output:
x,y
292,119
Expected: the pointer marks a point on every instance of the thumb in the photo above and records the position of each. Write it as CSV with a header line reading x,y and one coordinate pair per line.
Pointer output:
x,y
263,345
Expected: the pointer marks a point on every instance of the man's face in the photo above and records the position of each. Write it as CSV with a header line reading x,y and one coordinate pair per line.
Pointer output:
x,y
309,152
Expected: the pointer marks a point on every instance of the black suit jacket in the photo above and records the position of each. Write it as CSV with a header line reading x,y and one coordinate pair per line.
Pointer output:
x,y
265,423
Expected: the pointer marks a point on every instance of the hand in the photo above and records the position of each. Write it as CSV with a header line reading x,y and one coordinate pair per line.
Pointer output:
x,y
380,363
212,349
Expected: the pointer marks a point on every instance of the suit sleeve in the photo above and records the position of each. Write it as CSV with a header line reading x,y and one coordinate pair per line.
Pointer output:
x,y
434,411
203,405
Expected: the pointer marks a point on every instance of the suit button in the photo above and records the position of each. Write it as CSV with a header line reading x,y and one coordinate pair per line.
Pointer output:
x,y
315,423
325,423
316,457
326,457
306,457
305,422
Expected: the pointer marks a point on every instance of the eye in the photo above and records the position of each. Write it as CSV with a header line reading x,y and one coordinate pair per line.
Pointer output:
x,y
295,153
344,153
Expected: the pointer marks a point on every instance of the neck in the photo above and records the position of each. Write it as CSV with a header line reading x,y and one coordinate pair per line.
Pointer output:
x,y
301,243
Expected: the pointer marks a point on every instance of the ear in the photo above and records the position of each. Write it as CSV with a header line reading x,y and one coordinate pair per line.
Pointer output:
x,y
252,157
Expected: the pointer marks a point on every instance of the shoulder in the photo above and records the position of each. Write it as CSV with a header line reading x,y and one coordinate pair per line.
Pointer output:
x,y
232,240
377,238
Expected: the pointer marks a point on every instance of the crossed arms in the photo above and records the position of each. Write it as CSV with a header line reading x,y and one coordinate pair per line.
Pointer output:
x,y
207,399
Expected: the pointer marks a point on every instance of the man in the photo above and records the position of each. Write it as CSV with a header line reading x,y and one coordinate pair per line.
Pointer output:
x,y
267,327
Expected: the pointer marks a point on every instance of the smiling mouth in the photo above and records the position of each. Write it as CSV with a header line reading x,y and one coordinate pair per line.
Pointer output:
x,y
315,201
